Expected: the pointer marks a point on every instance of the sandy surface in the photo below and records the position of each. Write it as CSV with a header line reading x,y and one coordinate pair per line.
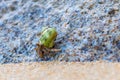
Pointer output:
x,y
60,71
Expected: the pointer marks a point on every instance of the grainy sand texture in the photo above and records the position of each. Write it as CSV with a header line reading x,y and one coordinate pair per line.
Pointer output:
x,y
60,71
89,29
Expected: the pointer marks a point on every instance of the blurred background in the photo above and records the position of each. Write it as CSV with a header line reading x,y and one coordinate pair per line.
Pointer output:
x,y
90,29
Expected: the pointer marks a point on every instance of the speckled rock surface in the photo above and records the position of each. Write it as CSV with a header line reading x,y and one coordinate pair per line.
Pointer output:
x,y
90,29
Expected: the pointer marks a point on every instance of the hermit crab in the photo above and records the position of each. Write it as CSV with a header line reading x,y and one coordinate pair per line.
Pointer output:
x,y
46,43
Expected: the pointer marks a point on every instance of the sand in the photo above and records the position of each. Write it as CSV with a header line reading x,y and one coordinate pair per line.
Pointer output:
x,y
60,71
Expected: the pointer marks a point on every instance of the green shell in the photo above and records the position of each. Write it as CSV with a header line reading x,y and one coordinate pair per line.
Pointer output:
x,y
48,36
